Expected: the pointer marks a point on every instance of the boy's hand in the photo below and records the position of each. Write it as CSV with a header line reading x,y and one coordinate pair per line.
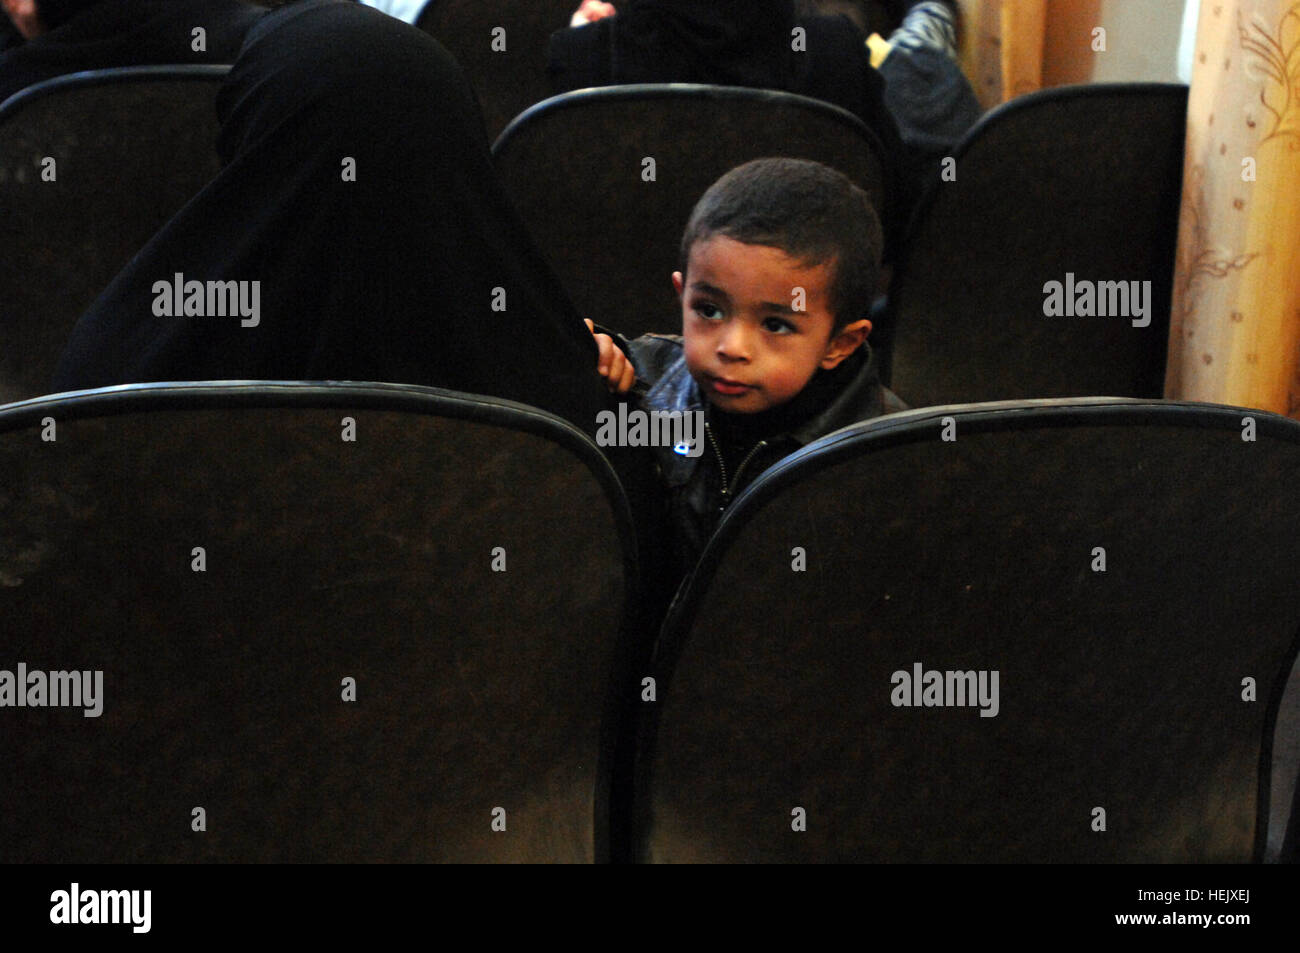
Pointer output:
x,y
612,364
590,12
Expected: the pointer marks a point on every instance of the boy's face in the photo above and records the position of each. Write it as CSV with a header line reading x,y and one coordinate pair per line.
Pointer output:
x,y
746,345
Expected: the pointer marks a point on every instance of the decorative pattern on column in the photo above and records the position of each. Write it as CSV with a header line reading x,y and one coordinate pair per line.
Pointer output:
x,y
1235,330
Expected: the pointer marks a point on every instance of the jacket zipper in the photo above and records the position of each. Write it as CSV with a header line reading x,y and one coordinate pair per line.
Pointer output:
x,y
717,452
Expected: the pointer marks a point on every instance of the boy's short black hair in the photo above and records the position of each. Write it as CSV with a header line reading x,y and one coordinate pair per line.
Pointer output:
x,y
807,210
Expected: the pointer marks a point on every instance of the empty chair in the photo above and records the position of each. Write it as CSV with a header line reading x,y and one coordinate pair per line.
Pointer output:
x,y
1079,186
329,616
91,166
1061,635
606,179
501,45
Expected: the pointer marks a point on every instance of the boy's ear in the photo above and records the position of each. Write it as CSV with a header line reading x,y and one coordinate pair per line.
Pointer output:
x,y
678,283
845,343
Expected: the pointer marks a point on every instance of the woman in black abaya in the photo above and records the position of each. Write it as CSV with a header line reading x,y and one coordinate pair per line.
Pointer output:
x,y
358,190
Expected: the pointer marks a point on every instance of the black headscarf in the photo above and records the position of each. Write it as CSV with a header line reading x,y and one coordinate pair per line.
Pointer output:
x,y
391,277
9,35
55,13
725,42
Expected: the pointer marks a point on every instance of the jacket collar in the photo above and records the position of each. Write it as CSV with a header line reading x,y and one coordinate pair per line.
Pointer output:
x,y
858,399
676,390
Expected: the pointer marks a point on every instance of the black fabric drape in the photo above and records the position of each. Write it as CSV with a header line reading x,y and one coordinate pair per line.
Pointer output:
x,y
391,277
9,36
55,13
725,42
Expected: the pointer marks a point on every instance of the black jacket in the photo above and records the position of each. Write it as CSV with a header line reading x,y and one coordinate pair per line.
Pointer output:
x,y
700,487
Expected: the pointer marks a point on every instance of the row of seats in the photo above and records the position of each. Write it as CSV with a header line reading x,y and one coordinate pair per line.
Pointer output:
x,y
382,622
1081,181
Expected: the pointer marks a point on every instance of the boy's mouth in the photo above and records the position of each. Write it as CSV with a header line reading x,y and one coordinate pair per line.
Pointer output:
x,y
728,388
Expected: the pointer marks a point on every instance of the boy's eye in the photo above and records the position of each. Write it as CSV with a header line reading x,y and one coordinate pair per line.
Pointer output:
x,y
778,326
708,311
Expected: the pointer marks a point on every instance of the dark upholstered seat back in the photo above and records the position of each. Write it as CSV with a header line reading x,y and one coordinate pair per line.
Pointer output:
x,y
1126,567
1082,181
129,147
467,562
508,75
577,167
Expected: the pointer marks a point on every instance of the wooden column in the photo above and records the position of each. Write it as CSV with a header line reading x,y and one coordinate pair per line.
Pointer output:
x,y
1235,330
1002,47
1023,24
981,48
1068,54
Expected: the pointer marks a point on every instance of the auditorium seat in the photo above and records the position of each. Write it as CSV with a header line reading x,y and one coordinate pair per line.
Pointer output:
x,y
1127,568
577,168
129,146
511,77
229,555
1081,180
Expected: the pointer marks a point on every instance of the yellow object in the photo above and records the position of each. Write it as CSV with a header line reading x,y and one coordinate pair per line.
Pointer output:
x,y
879,48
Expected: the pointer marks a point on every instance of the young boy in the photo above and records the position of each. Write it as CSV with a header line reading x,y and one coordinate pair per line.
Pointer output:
x,y
779,263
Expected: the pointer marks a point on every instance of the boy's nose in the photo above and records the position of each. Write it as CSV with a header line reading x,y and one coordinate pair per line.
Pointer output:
x,y
734,341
